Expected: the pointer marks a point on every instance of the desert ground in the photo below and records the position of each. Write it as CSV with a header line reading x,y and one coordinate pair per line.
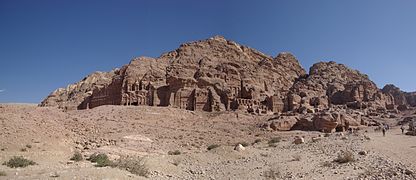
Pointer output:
x,y
172,144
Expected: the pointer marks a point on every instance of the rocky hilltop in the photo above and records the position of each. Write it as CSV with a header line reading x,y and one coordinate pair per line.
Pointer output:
x,y
220,75
74,94
329,83
400,98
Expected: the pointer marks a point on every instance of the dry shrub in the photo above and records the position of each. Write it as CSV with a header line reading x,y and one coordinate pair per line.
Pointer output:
x,y
275,140
272,173
101,160
345,157
77,157
177,152
135,165
257,141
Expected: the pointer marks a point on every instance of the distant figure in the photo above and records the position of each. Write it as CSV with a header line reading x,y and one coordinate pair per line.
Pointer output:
x,y
384,131
236,115
402,128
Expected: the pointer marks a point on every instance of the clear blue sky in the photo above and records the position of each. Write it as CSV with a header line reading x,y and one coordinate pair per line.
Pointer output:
x,y
48,44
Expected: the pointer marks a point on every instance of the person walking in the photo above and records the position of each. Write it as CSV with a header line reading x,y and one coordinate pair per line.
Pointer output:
x,y
384,131
402,128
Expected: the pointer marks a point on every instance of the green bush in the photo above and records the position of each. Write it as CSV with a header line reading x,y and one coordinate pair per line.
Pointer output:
x,y
213,146
77,157
101,160
18,161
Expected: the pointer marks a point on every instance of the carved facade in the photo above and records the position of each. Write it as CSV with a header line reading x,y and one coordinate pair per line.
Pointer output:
x,y
184,95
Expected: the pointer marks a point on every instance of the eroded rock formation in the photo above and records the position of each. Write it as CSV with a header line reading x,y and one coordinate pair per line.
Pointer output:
x,y
74,94
209,75
220,75
329,83
401,99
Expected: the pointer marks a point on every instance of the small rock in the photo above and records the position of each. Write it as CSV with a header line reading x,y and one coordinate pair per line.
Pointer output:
x,y
316,139
408,172
239,148
299,140
54,175
362,153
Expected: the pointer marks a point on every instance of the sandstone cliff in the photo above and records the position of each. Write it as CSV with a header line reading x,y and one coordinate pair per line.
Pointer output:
x,y
219,75
400,98
71,96
329,83
210,75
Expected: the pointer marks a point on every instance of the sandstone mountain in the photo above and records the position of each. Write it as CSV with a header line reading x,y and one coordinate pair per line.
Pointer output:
x,y
74,94
400,98
329,83
220,75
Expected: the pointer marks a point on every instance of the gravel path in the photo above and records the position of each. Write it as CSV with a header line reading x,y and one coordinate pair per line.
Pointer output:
x,y
394,145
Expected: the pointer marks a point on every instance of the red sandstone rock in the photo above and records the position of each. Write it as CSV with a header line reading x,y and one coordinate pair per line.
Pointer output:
x,y
281,123
209,75
401,99
332,83
220,75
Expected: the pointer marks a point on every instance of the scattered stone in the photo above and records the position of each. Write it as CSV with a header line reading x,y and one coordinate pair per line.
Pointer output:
x,y
408,172
239,148
316,139
299,140
54,175
362,153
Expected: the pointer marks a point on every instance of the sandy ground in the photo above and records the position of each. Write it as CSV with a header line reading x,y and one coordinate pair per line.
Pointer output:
x,y
151,132
395,145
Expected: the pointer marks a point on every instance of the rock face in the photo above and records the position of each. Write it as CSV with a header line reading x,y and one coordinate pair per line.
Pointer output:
x,y
74,94
329,83
220,75
281,123
401,99
208,75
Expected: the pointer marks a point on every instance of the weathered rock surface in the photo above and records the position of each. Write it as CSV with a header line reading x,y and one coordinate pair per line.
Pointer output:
x,y
74,94
281,123
401,99
208,75
329,83
220,75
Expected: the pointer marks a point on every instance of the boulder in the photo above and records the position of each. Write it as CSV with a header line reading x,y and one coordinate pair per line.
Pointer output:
x,y
299,140
305,124
325,122
239,148
330,83
281,123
